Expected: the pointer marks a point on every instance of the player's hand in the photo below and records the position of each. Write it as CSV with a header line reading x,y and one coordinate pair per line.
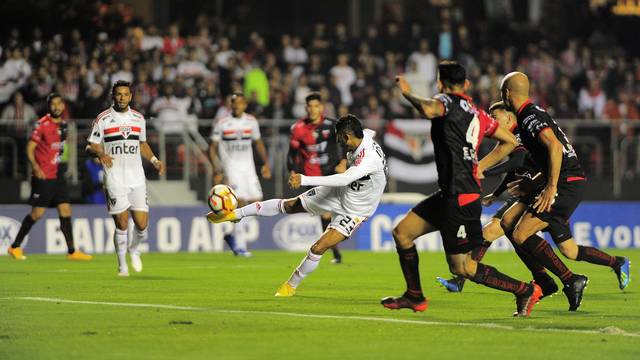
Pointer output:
x,y
295,180
37,172
480,173
403,84
106,160
341,167
488,200
159,165
546,198
266,172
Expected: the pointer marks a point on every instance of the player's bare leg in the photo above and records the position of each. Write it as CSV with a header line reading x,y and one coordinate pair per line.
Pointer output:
x,y
525,236
120,240
140,235
329,239
337,256
527,295
15,250
410,228
271,207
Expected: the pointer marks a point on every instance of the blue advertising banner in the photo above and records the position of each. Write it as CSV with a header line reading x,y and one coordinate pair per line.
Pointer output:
x,y
176,229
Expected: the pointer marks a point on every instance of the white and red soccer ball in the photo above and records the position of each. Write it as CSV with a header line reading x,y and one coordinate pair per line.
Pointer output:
x,y
222,199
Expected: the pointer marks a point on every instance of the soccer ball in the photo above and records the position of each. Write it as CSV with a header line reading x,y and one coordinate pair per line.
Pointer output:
x,y
222,199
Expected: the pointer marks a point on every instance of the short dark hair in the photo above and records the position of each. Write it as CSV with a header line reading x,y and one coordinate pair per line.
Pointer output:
x,y
313,96
498,105
50,98
120,83
451,73
350,123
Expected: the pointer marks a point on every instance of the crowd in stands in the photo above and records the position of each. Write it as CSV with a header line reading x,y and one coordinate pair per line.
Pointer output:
x,y
183,73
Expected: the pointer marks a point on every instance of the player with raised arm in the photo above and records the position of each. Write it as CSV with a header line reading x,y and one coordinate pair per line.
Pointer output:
x,y
519,164
48,184
552,201
458,128
314,150
231,154
119,140
351,197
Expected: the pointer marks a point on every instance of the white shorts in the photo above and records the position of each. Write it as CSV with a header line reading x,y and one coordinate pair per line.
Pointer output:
x,y
324,199
123,198
246,184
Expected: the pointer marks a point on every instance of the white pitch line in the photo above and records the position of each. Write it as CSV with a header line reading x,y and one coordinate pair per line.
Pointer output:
x,y
336,317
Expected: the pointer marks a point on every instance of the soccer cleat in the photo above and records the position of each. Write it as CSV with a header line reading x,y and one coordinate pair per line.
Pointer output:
x,y
547,285
286,290
525,303
16,253
454,284
624,274
123,273
215,218
136,261
79,256
242,252
402,302
575,290
336,261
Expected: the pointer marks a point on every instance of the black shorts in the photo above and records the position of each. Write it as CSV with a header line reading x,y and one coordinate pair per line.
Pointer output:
x,y
48,193
459,226
570,195
507,204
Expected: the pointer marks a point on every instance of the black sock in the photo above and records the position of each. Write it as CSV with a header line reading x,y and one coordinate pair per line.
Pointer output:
x,y
65,227
478,253
409,263
596,256
529,261
489,276
336,252
543,253
325,222
27,223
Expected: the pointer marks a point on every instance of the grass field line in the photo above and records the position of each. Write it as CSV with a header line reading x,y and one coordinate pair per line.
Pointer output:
x,y
606,331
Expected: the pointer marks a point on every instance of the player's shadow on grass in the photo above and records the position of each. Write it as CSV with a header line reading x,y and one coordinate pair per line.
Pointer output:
x,y
154,277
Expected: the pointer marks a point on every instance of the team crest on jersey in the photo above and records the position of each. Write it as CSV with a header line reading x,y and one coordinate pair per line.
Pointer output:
x,y
125,131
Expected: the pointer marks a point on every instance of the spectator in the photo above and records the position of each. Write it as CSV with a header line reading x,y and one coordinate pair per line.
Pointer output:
x,y
255,81
19,113
173,42
426,63
344,76
171,112
592,100
294,53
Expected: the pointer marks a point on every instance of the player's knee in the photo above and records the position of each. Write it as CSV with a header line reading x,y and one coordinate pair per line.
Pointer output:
x,y
37,213
519,236
492,231
402,237
458,269
570,252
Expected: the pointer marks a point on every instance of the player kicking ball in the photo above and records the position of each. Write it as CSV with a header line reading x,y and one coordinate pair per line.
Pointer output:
x,y
350,197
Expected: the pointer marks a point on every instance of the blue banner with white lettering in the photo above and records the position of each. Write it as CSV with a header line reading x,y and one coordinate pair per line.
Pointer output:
x,y
176,229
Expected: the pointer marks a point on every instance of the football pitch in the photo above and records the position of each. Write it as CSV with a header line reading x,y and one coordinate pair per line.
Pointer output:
x,y
216,306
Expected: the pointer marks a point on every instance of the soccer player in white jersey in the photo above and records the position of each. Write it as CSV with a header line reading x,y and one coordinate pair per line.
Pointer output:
x,y
231,154
351,197
119,139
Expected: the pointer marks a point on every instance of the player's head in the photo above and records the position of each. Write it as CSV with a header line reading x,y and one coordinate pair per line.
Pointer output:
x,y
452,77
55,105
349,131
238,104
514,86
121,95
503,114
314,106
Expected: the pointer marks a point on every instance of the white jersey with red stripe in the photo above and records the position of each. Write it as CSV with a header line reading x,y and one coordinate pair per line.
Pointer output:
x,y
235,137
120,133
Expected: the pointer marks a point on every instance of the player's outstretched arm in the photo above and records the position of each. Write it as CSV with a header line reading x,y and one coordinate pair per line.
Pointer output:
x,y
506,144
147,153
352,174
429,108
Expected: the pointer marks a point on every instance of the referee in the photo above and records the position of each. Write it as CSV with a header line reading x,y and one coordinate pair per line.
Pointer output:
x,y
48,187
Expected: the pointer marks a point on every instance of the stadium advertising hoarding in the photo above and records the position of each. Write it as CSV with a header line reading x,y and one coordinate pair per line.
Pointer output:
x,y
185,229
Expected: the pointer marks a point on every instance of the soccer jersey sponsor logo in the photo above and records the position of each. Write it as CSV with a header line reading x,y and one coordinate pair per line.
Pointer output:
x,y
123,149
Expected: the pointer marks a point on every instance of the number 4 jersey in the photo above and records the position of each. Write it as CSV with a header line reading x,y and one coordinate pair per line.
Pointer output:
x,y
358,190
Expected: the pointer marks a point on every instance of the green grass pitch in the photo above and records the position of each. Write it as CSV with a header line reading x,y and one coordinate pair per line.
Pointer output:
x,y
216,306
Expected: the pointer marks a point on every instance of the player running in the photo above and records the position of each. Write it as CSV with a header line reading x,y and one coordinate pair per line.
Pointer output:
x,y
48,184
518,165
119,140
231,154
314,151
351,197
458,127
551,204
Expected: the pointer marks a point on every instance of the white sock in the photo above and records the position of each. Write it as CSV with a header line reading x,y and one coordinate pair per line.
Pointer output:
x,y
139,236
306,267
120,239
271,207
